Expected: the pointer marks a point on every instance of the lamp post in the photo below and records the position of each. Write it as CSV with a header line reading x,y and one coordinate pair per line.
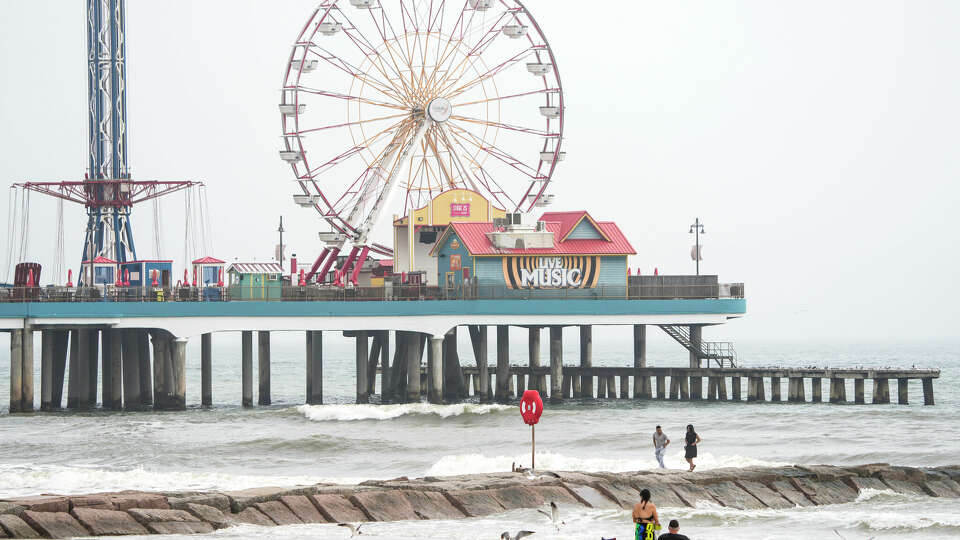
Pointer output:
x,y
280,249
697,229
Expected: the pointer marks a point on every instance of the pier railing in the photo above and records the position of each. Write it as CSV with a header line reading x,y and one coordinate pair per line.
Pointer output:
x,y
360,294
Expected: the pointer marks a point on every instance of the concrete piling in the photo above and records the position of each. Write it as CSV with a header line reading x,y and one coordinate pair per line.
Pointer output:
x,y
93,365
478,338
106,369
46,370
61,347
713,391
435,371
795,390
177,400
696,387
722,383
838,390
661,387
684,388
26,401
556,364
736,387
503,361
881,391
533,358
624,387
586,360
16,371
130,354
206,370
386,370
675,387
161,363
816,387
362,352
263,364
601,387
315,367
903,391
414,353
373,358
858,392
146,371
928,392
82,400
246,367
113,350
775,388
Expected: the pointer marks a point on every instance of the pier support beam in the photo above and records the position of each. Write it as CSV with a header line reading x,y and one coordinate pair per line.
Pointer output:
x,y
93,365
713,388
684,388
26,376
162,371
362,359
641,383
503,362
881,391
838,390
414,352
315,367
556,364
586,360
696,387
453,381
106,369
130,354
246,367
675,387
661,387
696,337
177,399
795,390
61,347
386,369
263,364
722,388
46,370
113,351
435,370
775,387
206,370
146,377
816,387
533,359
373,358
755,389
858,392
601,387
903,391
928,392
478,338
736,388
16,371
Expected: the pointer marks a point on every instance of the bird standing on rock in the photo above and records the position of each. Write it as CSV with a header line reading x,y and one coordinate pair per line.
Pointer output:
x,y
354,529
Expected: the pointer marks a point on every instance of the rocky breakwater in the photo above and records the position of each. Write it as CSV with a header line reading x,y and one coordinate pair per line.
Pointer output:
x,y
457,497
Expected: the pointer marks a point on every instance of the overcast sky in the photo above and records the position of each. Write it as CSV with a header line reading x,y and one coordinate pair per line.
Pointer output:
x,y
816,140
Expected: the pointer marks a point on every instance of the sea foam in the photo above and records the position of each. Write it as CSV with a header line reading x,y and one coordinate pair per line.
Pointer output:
x,y
347,413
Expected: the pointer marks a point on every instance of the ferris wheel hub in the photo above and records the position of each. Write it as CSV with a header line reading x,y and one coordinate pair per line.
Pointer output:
x,y
439,109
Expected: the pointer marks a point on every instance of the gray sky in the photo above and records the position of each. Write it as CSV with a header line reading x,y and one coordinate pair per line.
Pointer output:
x,y
815,139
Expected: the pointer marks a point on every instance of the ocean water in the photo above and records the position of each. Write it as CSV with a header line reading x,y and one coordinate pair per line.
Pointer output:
x,y
227,447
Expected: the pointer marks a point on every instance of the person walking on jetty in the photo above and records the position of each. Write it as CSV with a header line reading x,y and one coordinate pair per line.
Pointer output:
x,y
660,442
674,533
691,448
645,517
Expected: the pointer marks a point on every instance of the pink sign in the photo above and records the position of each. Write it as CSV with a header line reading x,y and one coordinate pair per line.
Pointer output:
x,y
459,209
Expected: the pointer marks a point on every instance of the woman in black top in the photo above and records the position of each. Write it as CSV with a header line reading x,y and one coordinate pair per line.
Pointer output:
x,y
691,449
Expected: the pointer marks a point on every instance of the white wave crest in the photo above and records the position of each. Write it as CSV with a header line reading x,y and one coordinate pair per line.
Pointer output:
x,y
480,463
870,493
24,480
347,413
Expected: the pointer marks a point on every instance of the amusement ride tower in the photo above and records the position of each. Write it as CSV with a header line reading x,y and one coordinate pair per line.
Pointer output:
x,y
107,191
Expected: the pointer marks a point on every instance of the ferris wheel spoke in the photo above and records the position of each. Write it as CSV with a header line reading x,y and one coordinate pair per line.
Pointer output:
x,y
382,31
511,96
369,50
501,125
353,71
347,124
492,72
356,148
474,52
347,97
498,153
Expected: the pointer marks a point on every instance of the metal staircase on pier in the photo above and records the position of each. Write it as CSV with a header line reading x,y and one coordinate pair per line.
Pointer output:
x,y
720,351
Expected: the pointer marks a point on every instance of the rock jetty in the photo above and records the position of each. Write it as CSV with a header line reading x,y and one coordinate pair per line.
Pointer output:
x,y
457,497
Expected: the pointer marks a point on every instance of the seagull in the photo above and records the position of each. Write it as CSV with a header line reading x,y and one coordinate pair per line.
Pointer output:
x,y
505,535
354,529
554,515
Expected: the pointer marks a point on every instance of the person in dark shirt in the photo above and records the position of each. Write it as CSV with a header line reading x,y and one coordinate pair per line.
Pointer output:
x,y
674,526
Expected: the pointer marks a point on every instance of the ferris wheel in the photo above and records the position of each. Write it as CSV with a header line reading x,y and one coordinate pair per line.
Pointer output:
x,y
387,104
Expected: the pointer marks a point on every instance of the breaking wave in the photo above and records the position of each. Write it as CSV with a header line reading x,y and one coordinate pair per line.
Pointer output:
x,y
347,413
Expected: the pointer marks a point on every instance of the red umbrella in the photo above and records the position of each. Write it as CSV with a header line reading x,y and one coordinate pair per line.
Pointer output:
x,y
220,278
69,278
194,276
655,272
119,282
186,279
154,283
303,282
126,277
30,282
